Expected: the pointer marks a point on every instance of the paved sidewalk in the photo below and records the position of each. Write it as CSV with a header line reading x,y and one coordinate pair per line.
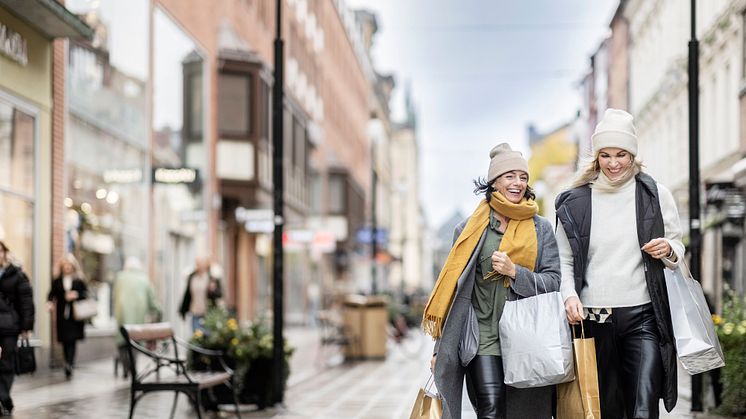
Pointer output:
x,y
361,390
94,391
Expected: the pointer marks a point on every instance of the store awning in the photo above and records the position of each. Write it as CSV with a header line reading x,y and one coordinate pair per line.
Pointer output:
x,y
48,17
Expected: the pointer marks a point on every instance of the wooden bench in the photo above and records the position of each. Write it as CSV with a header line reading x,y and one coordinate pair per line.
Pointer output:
x,y
165,370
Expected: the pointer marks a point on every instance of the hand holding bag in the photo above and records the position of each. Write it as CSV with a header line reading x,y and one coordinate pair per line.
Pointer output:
x,y
85,309
580,398
697,343
427,405
25,358
535,341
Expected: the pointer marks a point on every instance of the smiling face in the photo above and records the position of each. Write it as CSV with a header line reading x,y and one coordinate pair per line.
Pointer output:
x,y
512,185
614,162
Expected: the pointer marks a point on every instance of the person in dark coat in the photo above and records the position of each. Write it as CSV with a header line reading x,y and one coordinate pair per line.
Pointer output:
x,y
202,292
618,230
68,286
16,318
503,251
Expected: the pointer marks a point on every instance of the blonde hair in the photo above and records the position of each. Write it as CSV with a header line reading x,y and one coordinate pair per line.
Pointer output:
x,y
589,169
68,258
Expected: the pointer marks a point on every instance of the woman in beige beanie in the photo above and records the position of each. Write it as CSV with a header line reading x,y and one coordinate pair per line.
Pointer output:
x,y
503,251
618,230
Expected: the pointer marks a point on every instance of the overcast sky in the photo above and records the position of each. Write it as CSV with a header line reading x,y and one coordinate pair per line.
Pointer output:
x,y
480,71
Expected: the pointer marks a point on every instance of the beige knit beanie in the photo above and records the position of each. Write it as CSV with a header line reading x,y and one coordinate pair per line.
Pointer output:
x,y
504,159
615,130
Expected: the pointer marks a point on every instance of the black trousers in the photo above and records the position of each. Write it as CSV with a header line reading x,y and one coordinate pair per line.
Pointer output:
x,y
630,370
486,387
7,369
68,348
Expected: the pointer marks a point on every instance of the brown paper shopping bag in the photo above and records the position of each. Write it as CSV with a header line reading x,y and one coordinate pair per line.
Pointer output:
x,y
427,405
580,398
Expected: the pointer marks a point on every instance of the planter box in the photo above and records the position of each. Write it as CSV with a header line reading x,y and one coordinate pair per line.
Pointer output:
x,y
254,383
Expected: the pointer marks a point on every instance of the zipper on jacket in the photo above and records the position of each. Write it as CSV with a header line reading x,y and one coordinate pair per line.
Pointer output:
x,y
575,229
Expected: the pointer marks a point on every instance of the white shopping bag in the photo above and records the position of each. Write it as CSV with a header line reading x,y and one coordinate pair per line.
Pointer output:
x,y
697,343
535,342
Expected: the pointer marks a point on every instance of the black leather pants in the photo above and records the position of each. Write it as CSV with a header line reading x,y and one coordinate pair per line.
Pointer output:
x,y
630,370
486,386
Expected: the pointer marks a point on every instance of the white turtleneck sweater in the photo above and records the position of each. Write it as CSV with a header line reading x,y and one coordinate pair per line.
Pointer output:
x,y
615,274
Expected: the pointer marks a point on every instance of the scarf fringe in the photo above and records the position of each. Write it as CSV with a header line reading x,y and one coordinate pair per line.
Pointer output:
x,y
433,325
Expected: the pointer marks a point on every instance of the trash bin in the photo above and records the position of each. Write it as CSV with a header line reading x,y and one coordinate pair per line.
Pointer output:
x,y
365,319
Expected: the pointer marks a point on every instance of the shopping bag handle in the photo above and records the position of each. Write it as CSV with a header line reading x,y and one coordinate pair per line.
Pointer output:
x,y
582,331
536,284
429,384
684,268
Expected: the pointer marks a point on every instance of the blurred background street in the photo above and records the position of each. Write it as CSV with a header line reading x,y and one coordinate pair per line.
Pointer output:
x,y
140,139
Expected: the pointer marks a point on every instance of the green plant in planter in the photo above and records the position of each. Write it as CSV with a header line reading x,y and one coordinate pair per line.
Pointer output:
x,y
731,330
247,348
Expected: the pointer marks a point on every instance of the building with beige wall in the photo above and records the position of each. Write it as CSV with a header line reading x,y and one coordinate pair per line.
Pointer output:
x,y
31,140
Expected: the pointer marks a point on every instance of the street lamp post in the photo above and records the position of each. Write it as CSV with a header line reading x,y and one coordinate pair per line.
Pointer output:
x,y
695,236
278,353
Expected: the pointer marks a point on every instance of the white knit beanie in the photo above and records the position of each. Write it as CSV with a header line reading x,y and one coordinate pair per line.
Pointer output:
x,y
615,130
504,159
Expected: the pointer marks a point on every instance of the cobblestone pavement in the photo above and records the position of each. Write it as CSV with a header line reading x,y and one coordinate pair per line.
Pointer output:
x,y
370,390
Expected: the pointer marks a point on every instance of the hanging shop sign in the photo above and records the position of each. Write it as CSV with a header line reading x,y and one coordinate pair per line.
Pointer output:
x,y
133,175
13,45
175,175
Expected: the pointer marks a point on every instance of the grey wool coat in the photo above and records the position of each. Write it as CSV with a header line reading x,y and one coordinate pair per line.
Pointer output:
x,y
531,403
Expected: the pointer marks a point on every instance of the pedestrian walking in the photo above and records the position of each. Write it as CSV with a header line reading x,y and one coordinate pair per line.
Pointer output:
x,y
618,230
68,286
503,251
203,290
16,318
134,303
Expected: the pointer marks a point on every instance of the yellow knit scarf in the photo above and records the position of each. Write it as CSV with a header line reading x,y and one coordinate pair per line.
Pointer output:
x,y
519,242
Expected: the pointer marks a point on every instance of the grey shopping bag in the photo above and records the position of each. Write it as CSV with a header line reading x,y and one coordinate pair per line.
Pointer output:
x,y
535,342
697,343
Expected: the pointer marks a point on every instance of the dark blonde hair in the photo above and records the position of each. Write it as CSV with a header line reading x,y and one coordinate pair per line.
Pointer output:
x,y
68,258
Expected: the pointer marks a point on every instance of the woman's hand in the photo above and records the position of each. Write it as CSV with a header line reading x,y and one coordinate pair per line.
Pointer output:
x,y
50,305
657,248
502,264
574,310
432,363
71,295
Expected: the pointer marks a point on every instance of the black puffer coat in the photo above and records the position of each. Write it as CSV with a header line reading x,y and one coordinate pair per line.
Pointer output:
x,y
16,302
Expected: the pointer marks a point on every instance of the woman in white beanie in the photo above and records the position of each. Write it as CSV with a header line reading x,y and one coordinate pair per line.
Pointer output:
x,y
503,251
618,230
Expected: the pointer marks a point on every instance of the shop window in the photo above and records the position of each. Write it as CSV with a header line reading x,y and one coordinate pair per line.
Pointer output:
x,y
194,104
234,109
299,140
16,150
266,106
17,183
287,135
337,194
315,192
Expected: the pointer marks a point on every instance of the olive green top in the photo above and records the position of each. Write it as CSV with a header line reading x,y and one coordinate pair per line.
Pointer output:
x,y
488,297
